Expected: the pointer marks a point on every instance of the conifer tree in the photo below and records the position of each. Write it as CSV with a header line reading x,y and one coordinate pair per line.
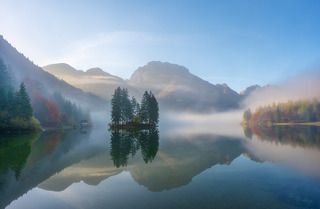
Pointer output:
x,y
126,108
153,109
25,109
144,109
116,106
5,80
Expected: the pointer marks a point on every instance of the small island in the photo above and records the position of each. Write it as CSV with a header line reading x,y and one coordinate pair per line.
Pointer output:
x,y
127,113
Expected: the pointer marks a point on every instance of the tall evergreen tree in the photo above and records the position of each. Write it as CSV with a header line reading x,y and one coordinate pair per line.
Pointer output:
x,y
144,108
126,108
116,106
6,95
4,86
153,109
23,102
135,106
5,80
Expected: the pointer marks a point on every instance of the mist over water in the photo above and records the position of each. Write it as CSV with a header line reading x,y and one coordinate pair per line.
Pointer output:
x,y
303,86
193,123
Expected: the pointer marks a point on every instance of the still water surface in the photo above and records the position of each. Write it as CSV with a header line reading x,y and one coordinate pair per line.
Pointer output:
x,y
165,168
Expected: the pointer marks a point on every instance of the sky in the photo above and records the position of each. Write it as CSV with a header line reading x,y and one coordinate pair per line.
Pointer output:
x,y
238,42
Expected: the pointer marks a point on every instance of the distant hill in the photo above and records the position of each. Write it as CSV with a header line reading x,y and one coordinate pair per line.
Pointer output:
x,y
174,86
94,80
24,70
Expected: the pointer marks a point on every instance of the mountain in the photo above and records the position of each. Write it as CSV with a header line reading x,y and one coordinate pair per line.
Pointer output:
x,y
249,90
24,70
177,88
174,86
94,80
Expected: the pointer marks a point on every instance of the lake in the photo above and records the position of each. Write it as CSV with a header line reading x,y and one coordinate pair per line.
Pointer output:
x,y
170,167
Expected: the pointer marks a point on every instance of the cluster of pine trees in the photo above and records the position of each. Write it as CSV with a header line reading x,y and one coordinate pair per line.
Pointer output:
x,y
15,107
301,111
126,110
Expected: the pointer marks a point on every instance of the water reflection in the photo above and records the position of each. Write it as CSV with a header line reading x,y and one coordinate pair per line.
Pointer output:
x,y
14,151
301,136
123,143
28,160
68,161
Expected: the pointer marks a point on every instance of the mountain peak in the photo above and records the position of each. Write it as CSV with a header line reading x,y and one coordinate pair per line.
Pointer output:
x,y
249,90
155,71
97,71
164,66
60,68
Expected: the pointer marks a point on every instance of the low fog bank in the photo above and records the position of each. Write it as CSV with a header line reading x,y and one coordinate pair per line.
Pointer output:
x,y
303,86
191,123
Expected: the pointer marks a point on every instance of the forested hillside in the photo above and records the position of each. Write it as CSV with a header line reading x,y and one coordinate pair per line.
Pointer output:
x,y
21,107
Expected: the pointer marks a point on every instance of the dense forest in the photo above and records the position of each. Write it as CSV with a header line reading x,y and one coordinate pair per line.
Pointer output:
x,y
24,108
302,111
128,112
16,112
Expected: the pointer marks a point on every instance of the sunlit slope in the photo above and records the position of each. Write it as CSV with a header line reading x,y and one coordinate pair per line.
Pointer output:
x,y
174,86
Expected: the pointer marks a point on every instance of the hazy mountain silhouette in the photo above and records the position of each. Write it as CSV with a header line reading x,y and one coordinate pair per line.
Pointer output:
x,y
94,80
177,88
24,70
249,90
174,86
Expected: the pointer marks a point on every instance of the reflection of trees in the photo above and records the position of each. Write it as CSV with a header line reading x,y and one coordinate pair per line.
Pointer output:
x,y
149,141
124,143
304,136
33,159
14,151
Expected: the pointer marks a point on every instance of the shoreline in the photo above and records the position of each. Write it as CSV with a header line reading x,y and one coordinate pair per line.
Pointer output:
x,y
297,124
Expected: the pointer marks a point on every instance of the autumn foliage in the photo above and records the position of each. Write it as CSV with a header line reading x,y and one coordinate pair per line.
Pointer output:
x,y
301,111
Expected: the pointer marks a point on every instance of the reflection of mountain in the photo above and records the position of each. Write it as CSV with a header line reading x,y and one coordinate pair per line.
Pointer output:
x,y
124,143
46,156
181,160
302,136
175,164
174,86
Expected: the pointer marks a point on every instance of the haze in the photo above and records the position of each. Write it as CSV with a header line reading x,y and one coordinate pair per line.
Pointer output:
x,y
235,42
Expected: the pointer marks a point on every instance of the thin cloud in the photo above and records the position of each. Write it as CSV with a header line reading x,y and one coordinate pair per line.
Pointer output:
x,y
117,52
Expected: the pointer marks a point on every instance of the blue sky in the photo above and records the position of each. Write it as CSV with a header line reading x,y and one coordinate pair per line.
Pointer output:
x,y
233,41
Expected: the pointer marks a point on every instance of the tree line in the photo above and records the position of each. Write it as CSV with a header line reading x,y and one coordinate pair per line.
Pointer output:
x,y
300,111
55,111
15,107
24,108
128,111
